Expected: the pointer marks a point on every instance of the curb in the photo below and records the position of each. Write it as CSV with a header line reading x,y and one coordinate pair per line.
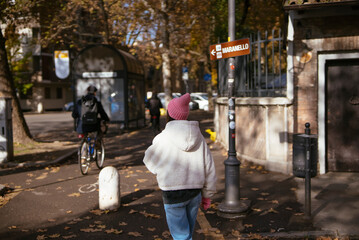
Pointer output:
x,y
290,235
32,164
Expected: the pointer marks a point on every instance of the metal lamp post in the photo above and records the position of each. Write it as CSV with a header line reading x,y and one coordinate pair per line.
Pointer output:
x,y
232,206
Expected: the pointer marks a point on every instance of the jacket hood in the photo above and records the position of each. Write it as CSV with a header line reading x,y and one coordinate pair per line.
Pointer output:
x,y
183,134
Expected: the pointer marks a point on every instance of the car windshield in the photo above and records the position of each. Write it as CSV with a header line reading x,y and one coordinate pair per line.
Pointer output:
x,y
204,96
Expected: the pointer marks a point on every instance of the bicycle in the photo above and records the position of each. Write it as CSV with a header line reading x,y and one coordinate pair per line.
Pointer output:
x,y
91,149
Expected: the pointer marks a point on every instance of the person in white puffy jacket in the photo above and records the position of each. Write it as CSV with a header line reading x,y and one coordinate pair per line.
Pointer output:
x,y
184,167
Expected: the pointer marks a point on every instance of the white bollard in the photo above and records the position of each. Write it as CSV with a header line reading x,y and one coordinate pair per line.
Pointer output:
x,y
109,189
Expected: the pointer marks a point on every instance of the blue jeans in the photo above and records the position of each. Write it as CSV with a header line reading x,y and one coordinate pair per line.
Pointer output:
x,y
181,217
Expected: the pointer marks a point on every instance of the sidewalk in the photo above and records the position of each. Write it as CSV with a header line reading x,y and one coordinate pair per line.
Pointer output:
x,y
277,200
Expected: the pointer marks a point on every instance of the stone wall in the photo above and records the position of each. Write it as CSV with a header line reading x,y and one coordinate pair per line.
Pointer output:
x,y
263,130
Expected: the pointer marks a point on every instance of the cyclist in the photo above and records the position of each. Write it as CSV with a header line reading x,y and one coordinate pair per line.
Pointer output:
x,y
154,105
83,128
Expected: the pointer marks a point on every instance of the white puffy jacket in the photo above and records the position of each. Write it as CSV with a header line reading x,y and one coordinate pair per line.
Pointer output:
x,y
181,159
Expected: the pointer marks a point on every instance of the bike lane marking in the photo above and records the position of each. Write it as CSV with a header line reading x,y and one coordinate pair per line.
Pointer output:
x,y
88,188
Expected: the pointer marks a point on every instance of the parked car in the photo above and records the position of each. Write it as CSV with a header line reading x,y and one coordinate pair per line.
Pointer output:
x,y
192,105
69,106
202,100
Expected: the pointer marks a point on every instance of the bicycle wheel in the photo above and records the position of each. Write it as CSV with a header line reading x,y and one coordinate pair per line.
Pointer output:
x,y
84,157
100,154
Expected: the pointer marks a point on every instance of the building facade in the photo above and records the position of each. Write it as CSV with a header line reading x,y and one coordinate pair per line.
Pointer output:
x,y
321,79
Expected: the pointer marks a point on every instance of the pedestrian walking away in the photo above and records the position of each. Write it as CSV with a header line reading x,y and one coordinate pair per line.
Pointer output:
x,y
184,167
154,105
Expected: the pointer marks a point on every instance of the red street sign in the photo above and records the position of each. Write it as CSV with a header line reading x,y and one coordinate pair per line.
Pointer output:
x,y
230,49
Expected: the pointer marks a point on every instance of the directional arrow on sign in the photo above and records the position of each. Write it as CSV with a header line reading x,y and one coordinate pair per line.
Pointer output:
x,y
230,49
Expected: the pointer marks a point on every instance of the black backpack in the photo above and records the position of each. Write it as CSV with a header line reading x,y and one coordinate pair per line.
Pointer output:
x,y
89,111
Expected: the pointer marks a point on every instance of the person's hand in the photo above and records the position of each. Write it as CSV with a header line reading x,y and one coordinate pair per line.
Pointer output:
x,y
206,203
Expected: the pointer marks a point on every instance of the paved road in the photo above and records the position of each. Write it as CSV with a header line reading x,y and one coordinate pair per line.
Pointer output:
x,y
51,126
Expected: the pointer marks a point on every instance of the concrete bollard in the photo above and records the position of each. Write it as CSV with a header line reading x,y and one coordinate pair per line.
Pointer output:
x,y
109,189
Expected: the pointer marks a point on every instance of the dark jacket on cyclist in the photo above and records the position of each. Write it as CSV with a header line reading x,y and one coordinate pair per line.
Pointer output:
x,y
76,114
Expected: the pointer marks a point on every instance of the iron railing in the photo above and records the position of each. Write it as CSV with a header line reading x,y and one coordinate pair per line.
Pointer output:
x,y
262,73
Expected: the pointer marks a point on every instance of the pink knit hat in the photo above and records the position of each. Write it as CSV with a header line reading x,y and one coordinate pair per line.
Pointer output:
x,y
178,108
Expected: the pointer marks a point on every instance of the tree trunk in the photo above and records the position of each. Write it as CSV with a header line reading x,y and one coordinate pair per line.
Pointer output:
x,y
105,19
166,64
21,133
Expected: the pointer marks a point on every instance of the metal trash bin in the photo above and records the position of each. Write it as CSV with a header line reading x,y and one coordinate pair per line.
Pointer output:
x,y
299,155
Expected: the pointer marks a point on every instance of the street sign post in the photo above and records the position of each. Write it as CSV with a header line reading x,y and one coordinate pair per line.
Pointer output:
x,y
232,206
230,49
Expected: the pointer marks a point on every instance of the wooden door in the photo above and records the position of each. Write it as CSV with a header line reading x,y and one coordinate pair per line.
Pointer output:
x,y
343,115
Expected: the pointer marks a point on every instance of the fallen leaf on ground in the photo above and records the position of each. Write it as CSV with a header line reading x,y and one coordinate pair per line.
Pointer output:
x,y
40,237
248,225
255,189
51,220
74,195
42,176
70,236
98,222
132,211
69,211
166,234
272,210
97,212
150,215
122,223
115,231
135,234
41,230
90,230
275,201
151,229
55,169
142,180
155,205
67,228
56,235
101,226
235,233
